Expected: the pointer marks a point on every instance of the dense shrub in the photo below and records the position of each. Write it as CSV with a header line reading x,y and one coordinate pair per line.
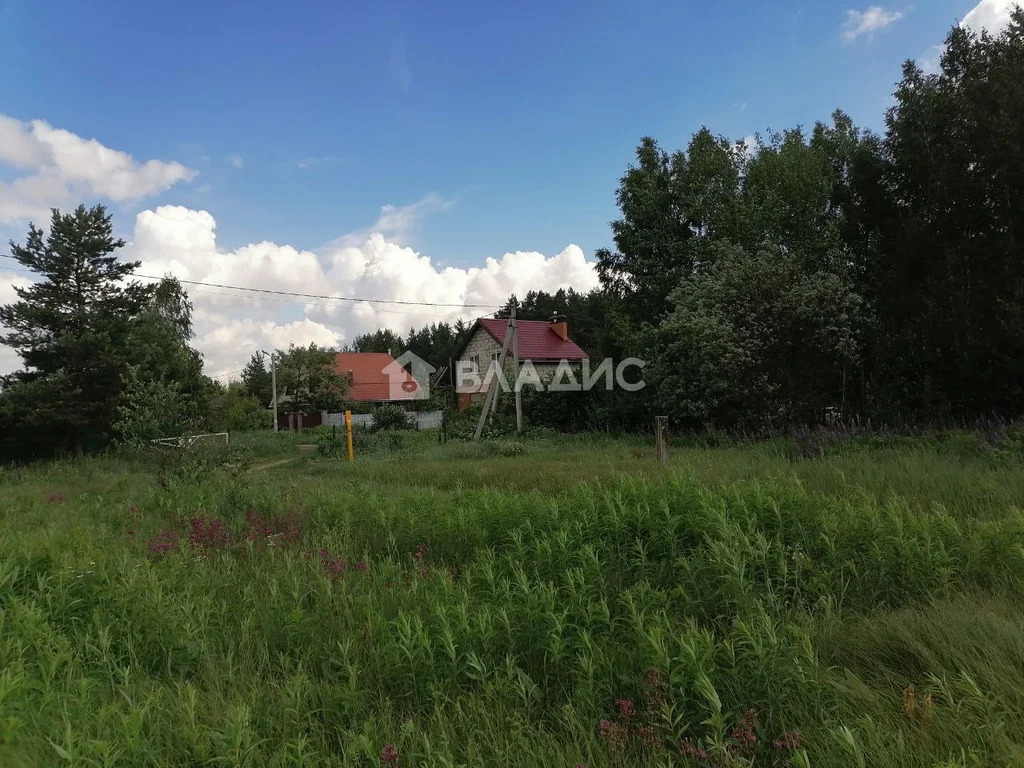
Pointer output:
x,y
388,416
365,442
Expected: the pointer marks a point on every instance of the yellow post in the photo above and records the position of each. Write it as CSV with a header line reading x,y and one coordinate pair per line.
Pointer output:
x,y
348,427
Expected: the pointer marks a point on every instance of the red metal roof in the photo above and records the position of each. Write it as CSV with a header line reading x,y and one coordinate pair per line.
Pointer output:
x,y
369,382
537,340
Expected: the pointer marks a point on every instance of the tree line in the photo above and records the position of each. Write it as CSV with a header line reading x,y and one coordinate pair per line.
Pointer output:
x,y
823,273
836,270
830,272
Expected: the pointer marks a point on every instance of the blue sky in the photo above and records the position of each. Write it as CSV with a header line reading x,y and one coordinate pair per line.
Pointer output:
x,y
522,115
445,152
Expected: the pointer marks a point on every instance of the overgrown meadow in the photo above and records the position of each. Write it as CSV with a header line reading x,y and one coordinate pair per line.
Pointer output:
x,y
554,602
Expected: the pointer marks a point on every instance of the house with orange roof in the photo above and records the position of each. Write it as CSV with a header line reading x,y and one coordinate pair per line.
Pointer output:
x,y
376,377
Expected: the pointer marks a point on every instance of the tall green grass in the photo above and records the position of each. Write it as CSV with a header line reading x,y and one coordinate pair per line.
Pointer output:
x,y
551,603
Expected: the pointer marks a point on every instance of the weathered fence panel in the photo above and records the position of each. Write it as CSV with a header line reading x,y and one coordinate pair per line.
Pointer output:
x,y
418,420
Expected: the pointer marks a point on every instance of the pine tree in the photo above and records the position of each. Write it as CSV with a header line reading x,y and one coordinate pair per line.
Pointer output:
x,y
256,378
72,329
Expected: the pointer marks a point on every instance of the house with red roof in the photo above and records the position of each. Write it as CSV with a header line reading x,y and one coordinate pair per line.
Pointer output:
x,y
376,377
373,377
545,344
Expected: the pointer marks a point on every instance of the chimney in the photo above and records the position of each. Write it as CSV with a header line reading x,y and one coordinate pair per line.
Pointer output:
x,y
560,326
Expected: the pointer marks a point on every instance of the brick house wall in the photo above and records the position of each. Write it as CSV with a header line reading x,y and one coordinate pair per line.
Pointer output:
x,y
484,345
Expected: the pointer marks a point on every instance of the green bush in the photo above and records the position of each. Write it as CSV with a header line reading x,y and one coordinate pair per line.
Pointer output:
x,y
368,442
176,465
153,408
332,445
390,417
243,414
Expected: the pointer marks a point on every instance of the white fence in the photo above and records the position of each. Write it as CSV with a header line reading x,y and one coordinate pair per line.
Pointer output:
x,y
428,419
420,420
187,441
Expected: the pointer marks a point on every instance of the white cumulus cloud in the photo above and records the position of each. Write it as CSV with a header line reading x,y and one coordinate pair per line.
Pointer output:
x,y
231,326
396,222
990,16
54,167
48,167
749,145
867,22
9,360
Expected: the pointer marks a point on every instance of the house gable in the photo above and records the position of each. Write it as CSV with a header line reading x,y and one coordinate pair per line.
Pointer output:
x,y
368,381
480,344
538,342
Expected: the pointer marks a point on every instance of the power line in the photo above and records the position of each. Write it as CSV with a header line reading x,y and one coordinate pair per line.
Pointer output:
x,y
304,295
229,373
301,302
307,303
328,298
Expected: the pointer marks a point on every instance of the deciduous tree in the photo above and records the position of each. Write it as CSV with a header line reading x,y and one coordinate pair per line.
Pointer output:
x,y
308,376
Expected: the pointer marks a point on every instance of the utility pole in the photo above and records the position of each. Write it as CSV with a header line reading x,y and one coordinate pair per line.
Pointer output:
x,y
491,400
273,384
515,365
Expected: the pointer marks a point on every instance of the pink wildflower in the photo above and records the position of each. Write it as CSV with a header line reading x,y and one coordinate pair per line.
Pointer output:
x,y
208,534
163,543
790,740
689,749
335,566
389,755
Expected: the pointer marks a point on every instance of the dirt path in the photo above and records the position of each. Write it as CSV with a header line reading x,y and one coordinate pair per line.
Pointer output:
x,y
271,464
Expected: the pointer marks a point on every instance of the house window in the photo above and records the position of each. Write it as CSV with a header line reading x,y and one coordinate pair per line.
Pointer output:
x,y
474,360
495,356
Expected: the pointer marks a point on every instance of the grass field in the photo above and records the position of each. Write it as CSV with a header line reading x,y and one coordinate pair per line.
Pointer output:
x,y
555,602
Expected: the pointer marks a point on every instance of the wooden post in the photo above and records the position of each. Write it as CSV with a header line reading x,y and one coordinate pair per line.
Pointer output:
x,y
454,383
348,427
660,438
491,400
273,384
515,373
